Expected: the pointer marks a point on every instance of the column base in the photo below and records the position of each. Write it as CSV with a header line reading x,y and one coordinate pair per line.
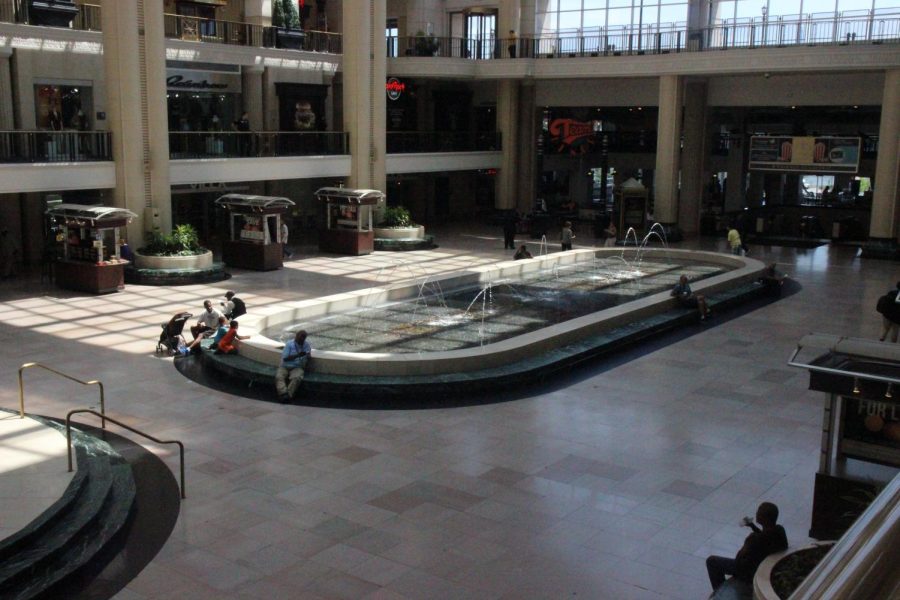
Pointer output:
x,y
884,248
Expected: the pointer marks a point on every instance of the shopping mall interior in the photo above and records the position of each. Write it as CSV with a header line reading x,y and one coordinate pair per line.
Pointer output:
x,y
607,462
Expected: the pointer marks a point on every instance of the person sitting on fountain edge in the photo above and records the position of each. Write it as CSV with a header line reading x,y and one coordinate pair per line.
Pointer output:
x,y
521,253
759,544
293,360
686,298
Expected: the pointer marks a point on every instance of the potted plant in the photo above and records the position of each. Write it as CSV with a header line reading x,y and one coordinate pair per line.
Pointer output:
x,y
180,249
286,21
396,224
426,45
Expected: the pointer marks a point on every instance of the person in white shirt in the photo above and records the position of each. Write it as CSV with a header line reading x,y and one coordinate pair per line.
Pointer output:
x,y
285,235
208,321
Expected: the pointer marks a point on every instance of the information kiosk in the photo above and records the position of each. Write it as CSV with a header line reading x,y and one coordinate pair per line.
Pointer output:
x,y
254,240
349,220
90,260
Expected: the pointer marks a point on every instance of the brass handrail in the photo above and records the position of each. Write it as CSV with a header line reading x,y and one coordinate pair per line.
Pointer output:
x,y
61,374
129,428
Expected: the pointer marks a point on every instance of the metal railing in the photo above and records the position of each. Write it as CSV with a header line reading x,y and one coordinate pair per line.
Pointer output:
x,y
408,142
99,384
124,426
851,27
17,11
194,29
54,146
237,144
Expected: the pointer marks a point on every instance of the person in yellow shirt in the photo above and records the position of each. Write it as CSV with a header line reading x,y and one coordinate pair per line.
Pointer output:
x,y
734,240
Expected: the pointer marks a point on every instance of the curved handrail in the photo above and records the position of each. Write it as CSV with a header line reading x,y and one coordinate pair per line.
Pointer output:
x,y
61,374
129,428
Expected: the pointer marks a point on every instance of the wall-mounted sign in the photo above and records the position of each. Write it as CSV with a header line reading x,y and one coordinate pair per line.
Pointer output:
x,y
395,88
871,430
571,136
804,154
202,81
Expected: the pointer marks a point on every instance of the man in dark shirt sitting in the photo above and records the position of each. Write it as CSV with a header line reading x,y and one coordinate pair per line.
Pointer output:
x,y
758,545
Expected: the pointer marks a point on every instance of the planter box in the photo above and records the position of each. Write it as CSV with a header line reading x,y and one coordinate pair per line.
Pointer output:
x,y
400,233
762,581
199,261
291,39
53,13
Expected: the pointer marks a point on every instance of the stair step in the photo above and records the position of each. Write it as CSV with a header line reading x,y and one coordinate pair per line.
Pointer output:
x,y
58,544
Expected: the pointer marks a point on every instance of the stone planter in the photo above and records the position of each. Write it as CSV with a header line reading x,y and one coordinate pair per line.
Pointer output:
x,y
400,233
199,261
762,581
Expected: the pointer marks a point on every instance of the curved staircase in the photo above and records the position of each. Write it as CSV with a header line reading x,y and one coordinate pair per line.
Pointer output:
x,y
94,511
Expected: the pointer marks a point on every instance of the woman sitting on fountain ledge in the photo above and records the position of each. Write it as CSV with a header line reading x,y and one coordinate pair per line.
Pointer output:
x,y
686,298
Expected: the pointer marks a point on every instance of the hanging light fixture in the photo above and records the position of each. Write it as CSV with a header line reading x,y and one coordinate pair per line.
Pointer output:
x,y
856,385
890,391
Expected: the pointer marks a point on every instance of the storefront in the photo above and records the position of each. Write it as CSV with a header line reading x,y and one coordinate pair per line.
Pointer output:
x,y
62,105
203,100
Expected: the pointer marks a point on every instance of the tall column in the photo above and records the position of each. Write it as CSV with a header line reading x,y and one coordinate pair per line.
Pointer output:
x,y
365,73
252,95
508,126
527,154
886,196
693,158
6,91
668,141
258,12
509,15
135,60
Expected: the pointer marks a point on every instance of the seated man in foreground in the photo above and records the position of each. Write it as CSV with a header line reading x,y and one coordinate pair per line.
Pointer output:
x,y
759,544
293,360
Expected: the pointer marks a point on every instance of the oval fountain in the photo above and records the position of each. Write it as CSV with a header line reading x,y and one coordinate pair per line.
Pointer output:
x,y
461,322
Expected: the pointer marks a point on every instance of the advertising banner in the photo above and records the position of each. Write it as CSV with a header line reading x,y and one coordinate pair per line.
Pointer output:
x,y
804,154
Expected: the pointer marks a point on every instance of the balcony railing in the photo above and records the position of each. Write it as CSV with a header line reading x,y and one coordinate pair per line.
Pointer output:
x,y
409,142
16,11
54,146
194,29
851,27
236,144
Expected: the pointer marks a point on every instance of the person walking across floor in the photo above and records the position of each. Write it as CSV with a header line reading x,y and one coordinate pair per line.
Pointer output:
x,y
764,540
293,362
566,236
285,236
889,307
510,223
734,240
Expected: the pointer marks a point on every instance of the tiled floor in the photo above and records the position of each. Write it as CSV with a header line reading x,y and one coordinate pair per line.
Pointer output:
x,y
613,482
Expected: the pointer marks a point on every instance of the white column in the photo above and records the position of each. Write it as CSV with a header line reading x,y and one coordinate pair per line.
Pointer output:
x,y
692,158
886,195
364,71
508,126
668,151
258,12
136,105
527,144
252,95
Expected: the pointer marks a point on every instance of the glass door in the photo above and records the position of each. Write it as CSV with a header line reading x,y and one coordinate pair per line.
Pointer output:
x,y
481,35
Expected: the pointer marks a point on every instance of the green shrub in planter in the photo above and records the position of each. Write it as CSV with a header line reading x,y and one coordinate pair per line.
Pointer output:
x,y
183,241
285,14
396,216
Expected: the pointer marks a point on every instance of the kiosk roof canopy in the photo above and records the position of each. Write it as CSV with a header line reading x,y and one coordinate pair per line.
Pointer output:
x,y
349,196
96,216
248,203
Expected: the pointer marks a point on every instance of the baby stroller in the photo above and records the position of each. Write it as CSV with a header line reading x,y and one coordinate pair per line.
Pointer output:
x,y
168,339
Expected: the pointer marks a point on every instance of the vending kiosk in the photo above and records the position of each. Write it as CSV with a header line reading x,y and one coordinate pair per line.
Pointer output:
x,y
90,259
254,240
348,226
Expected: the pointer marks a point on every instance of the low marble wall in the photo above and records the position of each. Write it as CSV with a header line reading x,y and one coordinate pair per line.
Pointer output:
x,y
265,350
198,261
400,233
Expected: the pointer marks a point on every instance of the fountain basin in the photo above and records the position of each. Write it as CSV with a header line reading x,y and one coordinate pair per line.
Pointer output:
x,y
741,270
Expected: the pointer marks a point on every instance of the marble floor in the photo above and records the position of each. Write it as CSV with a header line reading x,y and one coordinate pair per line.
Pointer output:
x,y
614,481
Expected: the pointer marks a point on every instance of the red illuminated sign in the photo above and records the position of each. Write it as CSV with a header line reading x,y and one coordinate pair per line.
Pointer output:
x,y
394,88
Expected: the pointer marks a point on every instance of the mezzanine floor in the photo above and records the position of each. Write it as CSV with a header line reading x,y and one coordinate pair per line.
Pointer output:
x,y
613,482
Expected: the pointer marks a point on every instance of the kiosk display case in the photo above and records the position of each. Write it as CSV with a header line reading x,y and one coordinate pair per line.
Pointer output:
x,y
90,258
348,228
254,240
